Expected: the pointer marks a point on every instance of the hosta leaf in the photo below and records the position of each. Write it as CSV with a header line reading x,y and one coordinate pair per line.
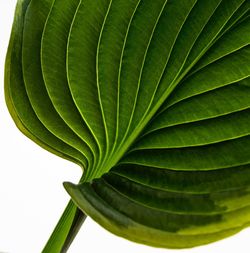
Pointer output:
x,y
152,99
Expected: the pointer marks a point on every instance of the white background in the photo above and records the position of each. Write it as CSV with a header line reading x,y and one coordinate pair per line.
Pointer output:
x,y
32,197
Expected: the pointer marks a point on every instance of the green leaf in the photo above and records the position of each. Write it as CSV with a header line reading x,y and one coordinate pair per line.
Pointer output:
x,y
151,99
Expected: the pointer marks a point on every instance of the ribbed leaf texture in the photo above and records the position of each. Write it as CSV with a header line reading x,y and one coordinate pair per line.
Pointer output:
x,y
151,99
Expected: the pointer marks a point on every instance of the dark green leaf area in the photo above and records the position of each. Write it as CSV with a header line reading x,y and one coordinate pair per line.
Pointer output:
x,y
239,16
147,215
187,181
159,199
198,133
35,19
209,157
211,104
230,69
53,59
17,100
173,202
245,82
150,56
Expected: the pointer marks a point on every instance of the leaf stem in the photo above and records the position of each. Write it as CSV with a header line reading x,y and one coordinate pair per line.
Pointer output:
x,y
65,230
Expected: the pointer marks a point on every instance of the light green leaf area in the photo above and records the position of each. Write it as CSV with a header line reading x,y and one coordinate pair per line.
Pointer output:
x,y
152,100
